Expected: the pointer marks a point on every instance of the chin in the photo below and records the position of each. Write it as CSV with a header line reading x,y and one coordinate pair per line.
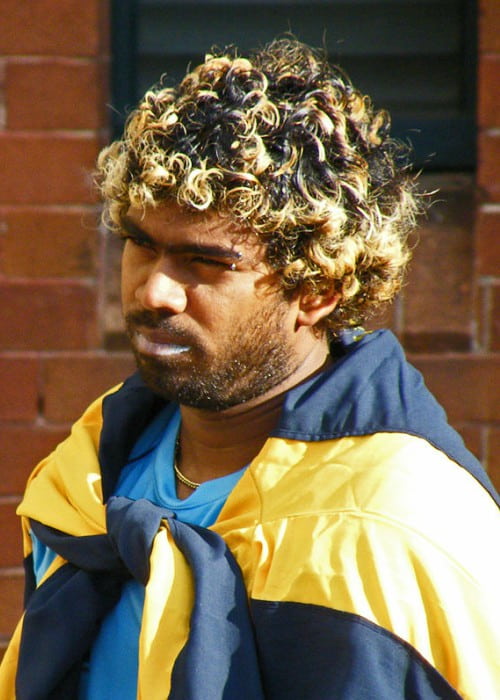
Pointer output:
x,y
204,391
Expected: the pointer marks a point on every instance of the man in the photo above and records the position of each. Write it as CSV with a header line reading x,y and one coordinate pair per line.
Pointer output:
x,y
274,506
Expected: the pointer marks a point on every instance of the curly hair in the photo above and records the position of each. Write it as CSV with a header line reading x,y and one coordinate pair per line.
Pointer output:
x,y
285,145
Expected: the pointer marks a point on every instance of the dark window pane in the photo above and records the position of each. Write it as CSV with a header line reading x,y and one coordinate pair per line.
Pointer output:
x,y
416,58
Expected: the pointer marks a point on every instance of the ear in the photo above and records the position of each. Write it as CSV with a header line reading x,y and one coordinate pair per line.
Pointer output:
x,y
313,307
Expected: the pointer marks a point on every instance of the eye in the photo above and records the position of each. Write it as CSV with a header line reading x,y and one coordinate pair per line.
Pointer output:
x,y
213,262
139,241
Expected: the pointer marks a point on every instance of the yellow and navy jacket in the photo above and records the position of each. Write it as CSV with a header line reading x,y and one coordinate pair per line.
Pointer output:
x,y
356,559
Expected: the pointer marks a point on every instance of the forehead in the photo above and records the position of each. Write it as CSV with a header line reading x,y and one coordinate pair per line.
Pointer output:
x,y
171,224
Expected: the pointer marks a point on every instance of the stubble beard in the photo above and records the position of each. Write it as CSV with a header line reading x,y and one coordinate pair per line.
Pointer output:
x,y
252,360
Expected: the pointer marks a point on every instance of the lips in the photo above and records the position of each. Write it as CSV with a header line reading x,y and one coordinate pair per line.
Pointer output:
x,y
157,343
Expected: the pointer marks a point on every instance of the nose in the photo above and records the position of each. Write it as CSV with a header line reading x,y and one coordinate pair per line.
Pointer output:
x,y
160,291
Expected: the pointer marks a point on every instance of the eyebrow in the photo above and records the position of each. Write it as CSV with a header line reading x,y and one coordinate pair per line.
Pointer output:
x,y
217,251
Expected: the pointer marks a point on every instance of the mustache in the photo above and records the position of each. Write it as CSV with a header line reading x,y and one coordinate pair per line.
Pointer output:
x,y
156,321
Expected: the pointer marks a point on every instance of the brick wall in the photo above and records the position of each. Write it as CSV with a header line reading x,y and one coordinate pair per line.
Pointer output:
x,y
487,231
53,91
60,342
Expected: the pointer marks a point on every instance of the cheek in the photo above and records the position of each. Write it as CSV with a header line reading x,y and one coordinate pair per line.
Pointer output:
x,y
208,308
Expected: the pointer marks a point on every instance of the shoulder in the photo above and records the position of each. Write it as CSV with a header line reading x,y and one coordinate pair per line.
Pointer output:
x,y
387,472
382,529
342,514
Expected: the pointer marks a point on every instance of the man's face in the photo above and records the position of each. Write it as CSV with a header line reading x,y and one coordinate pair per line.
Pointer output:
x,y
208,324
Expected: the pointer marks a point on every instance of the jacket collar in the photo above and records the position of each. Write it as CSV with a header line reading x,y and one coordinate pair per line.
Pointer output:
x,y
370,388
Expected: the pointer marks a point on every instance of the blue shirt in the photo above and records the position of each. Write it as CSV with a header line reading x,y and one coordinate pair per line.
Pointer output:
x,y
113,663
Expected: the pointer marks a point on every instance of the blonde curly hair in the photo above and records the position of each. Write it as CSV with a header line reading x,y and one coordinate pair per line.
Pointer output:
x,y
283,144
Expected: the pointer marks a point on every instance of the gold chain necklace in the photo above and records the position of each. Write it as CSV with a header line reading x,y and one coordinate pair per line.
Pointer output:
x,y
183,479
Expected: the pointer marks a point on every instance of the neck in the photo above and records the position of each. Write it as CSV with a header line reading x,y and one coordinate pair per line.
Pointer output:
x,y
213,444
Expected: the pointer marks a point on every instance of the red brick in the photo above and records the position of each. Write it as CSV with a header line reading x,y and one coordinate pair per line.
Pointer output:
x,y
47,169
489,94
11,553
47,316
488,242
23,446
467,386
70,234
73,382
494,320
438,296
489,172
54,94
489,25
11,602
19,388
437,341
481,314
494,456
63,28
116,341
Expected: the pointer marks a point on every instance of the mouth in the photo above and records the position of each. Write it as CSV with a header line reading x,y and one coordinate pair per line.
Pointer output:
x,y
156,344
